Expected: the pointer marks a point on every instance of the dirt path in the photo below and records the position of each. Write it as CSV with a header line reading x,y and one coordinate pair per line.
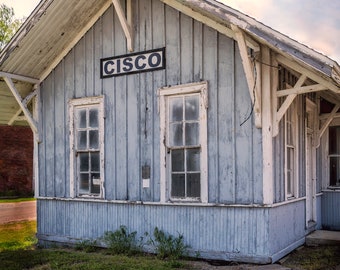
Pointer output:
x,y
17,211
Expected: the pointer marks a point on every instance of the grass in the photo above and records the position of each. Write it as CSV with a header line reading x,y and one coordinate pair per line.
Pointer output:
x,y
17,235
314,258
16,200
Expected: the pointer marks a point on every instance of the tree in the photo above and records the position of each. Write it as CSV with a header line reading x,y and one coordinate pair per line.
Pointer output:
x,y
8,24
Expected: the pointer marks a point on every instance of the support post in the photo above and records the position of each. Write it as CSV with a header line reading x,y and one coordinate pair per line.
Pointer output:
x,y
267,139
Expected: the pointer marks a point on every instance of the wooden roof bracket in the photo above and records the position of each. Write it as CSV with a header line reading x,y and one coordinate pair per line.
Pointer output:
x,y
321,85
279,113
325,125
125,22
248,66
8,78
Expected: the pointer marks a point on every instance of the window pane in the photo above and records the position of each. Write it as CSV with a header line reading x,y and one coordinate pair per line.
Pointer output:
x,y
334,171
178,185
84,183
95,161
82,140
176,134
289,182
95,183
83,162
177,160
193,185
192,108
176,109
193,159
191,134
93,118
94,136
82,119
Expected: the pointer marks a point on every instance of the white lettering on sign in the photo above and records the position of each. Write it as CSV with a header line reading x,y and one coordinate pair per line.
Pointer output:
x,y
132,63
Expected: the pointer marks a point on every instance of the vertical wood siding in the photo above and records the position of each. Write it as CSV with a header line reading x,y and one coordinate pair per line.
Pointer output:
x,y
233,232
331,210
193,52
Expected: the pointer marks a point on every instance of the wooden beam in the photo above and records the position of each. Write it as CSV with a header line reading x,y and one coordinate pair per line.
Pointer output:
x,y
124,22
267,140
15,117
328,121
23,106
313,76
253,88
19,77
284,107
301,90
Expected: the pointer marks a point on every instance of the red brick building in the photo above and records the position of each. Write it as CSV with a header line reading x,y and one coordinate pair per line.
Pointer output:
x,y
16,160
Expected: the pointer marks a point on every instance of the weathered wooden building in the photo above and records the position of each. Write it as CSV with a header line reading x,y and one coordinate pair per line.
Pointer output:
x,y
184,115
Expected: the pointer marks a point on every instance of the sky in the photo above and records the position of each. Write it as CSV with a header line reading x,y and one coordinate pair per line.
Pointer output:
x,y
315,23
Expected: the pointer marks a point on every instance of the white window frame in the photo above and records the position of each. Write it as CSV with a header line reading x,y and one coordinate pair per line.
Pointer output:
x,y
185,89
84,103
293,193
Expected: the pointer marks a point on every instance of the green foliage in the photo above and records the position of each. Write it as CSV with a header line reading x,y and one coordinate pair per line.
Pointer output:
x,y
8,24
122,242
87,245
169,246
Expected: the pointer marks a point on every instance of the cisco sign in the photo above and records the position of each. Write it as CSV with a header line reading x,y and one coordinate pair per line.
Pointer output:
x,y
132,63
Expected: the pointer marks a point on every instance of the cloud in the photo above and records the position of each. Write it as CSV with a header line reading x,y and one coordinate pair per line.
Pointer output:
x,y
313,23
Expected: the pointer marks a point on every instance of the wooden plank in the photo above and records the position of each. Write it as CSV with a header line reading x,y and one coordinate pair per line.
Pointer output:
x,y
267,139
310,74
186,47
128,31
108,90
79,69
301,90
158,22
210,60
89,62
244,183
328,121
146,97
198,51
49,131
226,95
69,94
23,107
248,67
172,31
120,116
60,119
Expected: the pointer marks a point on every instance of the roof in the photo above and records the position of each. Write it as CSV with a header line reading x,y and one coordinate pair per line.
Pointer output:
x,y
55,26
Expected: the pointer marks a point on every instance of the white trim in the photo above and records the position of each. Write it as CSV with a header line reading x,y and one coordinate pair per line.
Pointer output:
x,y
83,102
200,87
267,140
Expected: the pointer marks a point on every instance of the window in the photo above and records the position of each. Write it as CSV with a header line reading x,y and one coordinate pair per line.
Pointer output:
x,y
334,156
87,155
184,142
291,151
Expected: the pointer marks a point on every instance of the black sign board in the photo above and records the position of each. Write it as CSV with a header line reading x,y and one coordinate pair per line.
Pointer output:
x,y
132,63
